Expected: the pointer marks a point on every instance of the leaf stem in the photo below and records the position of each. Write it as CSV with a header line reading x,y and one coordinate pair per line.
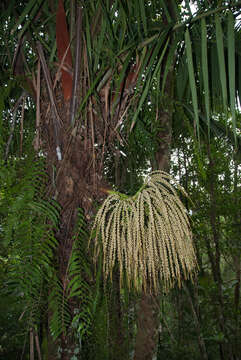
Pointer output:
x,y
189,21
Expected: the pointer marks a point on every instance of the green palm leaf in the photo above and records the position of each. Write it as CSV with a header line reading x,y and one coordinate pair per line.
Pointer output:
x,y
231,69
192,77
205,71
221,59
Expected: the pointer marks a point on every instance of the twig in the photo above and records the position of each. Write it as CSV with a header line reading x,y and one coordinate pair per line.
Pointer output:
x,y
31,345
56,118
37,346
21,127
62,66
49,83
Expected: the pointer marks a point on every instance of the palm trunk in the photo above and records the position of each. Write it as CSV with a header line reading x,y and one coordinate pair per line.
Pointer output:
x,y
147,315
75,156
75,166
75,182
74,186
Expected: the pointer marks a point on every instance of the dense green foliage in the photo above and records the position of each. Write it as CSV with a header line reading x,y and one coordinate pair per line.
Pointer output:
x,y
187,65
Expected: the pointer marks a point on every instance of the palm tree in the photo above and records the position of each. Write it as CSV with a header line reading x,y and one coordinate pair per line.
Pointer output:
x,y
94,70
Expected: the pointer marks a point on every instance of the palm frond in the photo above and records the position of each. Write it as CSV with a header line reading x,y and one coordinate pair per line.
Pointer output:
x,y
192,77
231,68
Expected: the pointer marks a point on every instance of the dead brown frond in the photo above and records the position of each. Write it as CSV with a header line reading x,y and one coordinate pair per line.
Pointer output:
x,y
148,235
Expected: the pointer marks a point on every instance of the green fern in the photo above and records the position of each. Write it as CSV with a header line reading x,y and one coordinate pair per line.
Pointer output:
x,y
59,307
27,233
79,271
77,290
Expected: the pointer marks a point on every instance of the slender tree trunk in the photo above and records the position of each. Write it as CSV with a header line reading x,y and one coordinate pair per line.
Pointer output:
x,y
147,327
162,155
148,308
237,266
201,343
148,305
215,258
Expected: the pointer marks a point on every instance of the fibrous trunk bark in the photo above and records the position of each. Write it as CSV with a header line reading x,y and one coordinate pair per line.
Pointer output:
x,y
76,180
75,150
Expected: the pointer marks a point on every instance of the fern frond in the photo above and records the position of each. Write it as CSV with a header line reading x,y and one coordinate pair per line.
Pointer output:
x,y
148,235
61,317
27,222
77,290
78,286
